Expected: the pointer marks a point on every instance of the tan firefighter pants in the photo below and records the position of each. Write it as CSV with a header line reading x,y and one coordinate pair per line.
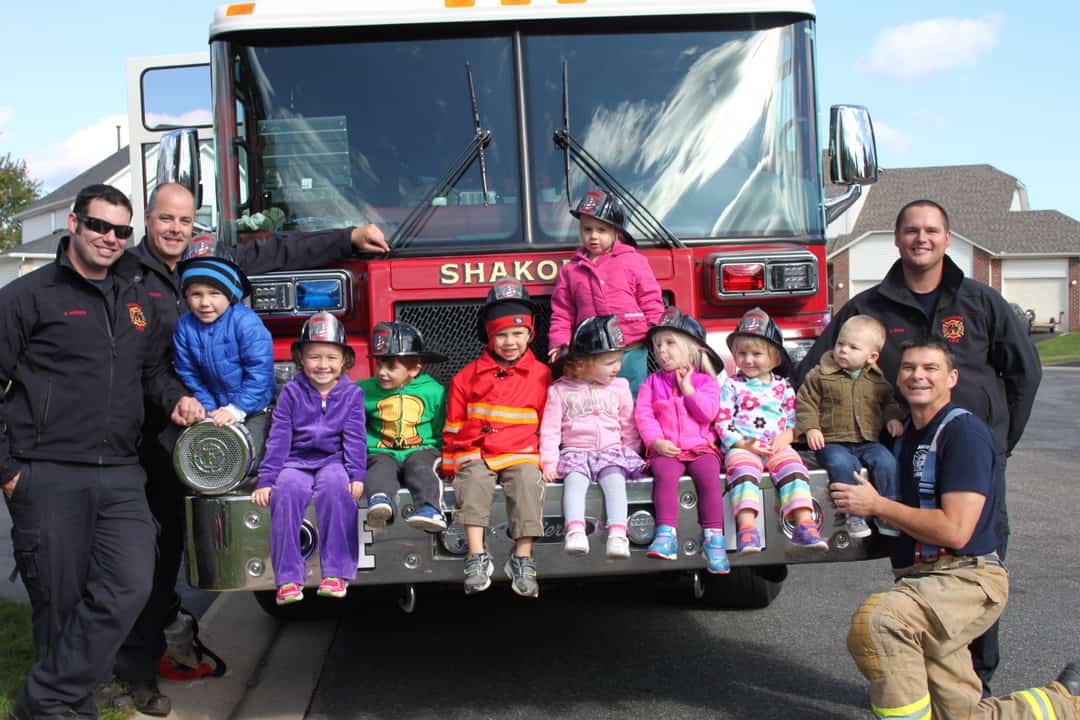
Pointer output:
x,y
911,643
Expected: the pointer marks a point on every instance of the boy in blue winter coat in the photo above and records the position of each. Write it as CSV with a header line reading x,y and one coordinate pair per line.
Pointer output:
x,y
224,353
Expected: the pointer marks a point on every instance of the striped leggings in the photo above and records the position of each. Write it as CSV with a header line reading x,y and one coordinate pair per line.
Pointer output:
x,y
789,476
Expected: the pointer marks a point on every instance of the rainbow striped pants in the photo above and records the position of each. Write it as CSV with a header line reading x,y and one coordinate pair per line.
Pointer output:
x,y
789,477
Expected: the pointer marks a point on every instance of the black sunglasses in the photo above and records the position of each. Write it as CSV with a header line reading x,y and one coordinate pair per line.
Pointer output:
x,y
122,232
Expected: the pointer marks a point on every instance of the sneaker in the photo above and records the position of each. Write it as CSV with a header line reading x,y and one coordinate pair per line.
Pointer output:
x,y
665,545
379,510
427,518
334,587
522,573
807,536
715,555
857,527
748,541
478,569
886,529
149,700
618,547
576,543
289,593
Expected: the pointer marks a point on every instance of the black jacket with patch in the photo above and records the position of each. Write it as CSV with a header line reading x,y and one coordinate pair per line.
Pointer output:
x,y
998,365
75,365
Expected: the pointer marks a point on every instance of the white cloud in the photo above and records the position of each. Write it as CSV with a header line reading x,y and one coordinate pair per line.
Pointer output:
x,y
78,152
890,139
5,115
191,118
909,52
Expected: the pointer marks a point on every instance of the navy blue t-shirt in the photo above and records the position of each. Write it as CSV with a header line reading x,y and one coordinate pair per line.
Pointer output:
x,y
965,462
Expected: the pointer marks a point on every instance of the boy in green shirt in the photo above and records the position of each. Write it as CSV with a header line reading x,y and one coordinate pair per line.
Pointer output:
x,y
405,411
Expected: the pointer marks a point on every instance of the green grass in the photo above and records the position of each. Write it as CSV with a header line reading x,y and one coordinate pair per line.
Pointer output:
x,y
1062,349
17,657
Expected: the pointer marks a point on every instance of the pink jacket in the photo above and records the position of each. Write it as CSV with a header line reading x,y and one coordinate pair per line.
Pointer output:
x,y
585,416
664,412
617,283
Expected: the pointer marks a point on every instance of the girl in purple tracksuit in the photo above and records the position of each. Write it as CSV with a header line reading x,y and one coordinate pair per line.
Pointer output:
x,y
588,433
675,410
317,448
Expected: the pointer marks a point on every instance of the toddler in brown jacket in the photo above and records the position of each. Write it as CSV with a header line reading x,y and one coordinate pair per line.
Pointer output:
x,y
842,405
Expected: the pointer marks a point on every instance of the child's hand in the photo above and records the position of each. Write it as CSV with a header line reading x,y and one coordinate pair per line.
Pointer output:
x,y
357,490
556,352
757,446
895,428
815,439
684,376
223,416
187,411
665,447
261,497
550,476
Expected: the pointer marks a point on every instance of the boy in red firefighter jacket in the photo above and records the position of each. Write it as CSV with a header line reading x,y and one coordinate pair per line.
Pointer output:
x,y
492,435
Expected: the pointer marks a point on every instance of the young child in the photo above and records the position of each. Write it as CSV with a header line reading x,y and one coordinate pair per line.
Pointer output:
x,y
315,449
842,405
492,435
675,410
606,276
588,433
756,425
405,412
223,352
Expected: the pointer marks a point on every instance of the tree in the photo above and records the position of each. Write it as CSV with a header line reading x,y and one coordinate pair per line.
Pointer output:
x,y
17,192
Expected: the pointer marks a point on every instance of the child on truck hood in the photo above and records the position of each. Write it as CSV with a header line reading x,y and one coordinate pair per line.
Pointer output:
x,y
492,435
315,450
606,276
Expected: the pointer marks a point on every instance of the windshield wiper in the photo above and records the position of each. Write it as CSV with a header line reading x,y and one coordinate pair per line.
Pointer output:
x,y
640,216
418,218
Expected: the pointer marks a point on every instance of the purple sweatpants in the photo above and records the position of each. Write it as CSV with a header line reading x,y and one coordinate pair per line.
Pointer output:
x,y
335,515
705,472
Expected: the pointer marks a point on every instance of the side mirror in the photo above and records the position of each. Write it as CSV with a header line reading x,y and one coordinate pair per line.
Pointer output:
x,y
178,161
852,156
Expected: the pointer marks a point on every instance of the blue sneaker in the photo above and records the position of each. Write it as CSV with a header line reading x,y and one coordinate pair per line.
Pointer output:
x,y
427,518
715,555
379,511
665,545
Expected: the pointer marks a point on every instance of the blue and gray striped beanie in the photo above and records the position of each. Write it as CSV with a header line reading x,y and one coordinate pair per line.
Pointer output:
x,y
215,272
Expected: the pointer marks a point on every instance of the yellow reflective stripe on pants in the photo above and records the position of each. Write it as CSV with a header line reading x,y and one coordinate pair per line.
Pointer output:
x,y
1039,702
918,710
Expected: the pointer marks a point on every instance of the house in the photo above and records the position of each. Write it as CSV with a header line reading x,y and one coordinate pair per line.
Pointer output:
x,y
1032,257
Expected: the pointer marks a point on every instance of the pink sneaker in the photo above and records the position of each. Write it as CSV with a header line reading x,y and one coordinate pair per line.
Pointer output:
x,y
289,593
332,587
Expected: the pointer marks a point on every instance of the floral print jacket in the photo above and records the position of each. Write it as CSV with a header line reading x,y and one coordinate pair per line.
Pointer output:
x,y
754,408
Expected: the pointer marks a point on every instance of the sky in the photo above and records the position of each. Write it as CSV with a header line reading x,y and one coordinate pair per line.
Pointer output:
x,y
952,83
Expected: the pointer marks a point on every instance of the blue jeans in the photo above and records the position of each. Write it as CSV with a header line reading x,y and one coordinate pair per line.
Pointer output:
x,y
842,460
635,368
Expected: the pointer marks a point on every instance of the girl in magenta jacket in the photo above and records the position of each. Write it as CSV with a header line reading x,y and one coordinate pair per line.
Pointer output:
x,y
675,410
588,433
606,276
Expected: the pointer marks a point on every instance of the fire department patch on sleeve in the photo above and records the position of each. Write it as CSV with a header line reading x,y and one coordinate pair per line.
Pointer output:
x,y
138,319
952,328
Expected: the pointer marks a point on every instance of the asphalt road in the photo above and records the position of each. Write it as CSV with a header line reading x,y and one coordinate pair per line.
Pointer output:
x,y
642,649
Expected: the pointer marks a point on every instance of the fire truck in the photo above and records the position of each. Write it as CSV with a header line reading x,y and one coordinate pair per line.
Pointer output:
x,y
466,129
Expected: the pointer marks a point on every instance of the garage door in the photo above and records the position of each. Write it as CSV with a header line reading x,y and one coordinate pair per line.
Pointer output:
x,y
1046,296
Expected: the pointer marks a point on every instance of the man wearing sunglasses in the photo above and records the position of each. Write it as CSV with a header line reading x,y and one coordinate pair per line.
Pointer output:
x,y
170,222
79,336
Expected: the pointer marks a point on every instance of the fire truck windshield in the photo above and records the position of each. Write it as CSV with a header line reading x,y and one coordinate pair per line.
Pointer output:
x,y
708,122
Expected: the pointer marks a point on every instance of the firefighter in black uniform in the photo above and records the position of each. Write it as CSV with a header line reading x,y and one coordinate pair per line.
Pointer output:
x,y
170,219
926,294
78,335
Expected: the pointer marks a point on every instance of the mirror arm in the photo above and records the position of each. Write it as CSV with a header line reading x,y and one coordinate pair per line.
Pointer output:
x,y
835,206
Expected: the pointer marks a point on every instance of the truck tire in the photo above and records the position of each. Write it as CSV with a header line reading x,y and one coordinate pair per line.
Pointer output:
x,y
744,588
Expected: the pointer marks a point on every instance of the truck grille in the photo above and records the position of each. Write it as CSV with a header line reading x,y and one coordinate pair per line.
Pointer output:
x,y
449,327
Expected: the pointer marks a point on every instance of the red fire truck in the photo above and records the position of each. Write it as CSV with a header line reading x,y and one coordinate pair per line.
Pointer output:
x,y
465,129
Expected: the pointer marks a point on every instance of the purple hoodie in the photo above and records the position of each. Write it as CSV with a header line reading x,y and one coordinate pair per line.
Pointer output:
x,y
309,431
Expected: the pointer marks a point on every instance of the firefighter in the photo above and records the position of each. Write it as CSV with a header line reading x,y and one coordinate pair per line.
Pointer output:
x,y
170,218
925,293
78,334
911,642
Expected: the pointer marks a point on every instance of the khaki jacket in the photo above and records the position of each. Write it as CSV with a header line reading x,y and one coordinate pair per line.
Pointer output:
x,y
845,409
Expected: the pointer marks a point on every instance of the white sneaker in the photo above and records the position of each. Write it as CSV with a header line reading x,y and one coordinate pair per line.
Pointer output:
x,y
857,527
577,543
884,528
618,546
